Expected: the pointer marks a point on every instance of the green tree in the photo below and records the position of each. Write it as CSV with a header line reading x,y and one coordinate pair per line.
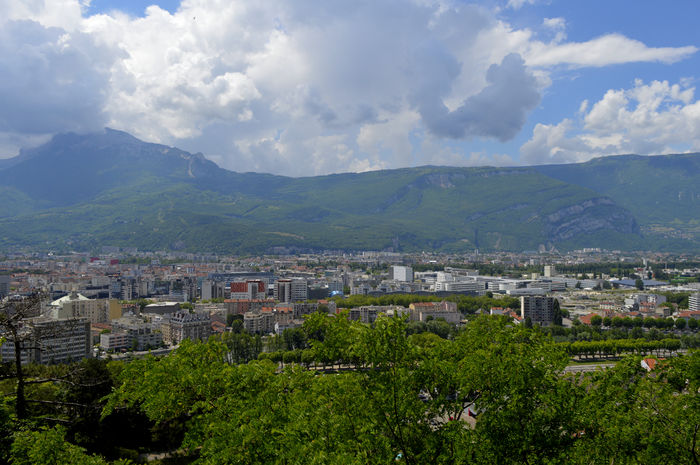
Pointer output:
x,y
654,418
680,323
14,332
639,284
558,314
596,321
48,447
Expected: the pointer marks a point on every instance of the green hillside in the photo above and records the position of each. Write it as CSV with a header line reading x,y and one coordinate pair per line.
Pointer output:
x,y
662,192
81,192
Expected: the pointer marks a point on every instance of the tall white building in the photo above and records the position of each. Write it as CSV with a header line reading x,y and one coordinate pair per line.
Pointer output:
x,y
402,273
694,302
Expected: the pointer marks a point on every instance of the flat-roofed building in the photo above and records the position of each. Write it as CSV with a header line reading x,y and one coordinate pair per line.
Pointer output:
x,y
141,335
115,341
539,309
259,322
48,341
4,285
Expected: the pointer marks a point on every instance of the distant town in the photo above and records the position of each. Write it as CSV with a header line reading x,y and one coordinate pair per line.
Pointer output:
x,y
121,302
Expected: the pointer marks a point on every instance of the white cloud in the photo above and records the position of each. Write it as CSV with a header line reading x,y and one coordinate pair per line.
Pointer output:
x,y
610,49
51,81
292,87
558,26
654,118
517,4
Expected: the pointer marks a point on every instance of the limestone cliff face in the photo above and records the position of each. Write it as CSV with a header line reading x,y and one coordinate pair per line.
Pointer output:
x,y
587,217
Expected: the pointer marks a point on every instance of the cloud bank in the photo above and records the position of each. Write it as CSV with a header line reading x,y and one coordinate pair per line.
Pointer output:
x,y
653,118
296,88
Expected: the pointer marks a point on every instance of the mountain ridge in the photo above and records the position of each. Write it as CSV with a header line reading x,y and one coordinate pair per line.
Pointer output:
x,y
110,188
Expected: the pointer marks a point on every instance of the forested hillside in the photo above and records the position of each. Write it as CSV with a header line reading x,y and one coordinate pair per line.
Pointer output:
x,y
80,192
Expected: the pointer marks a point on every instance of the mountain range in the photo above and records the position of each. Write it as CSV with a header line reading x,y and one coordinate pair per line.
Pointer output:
x,y
80,192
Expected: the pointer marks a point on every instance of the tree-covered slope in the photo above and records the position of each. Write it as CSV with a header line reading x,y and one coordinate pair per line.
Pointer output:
x,y
111,188
662,192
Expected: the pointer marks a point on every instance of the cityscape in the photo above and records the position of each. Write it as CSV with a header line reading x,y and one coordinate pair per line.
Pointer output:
x,y
349,233
598,309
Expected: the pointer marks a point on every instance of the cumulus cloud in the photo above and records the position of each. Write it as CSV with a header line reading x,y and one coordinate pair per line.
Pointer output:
x,y
653,118
499,110
610,49
289,87
51,81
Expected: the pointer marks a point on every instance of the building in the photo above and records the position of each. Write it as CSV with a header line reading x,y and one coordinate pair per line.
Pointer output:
x,y
291,290
250,289
181,325
549,271
162,308
360,289
402,273
460,286
539,309
241,306
76,305
115,341
140,335
694,303
4,285
366,314
213,290
425,311
48,341
259,322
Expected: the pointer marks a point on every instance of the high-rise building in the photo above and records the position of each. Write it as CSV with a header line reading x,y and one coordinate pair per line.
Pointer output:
x,y
539,309
213,290
694,302
48,341
402,273
291,290
4,285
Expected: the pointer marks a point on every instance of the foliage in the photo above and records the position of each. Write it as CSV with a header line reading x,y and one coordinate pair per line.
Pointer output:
x,y
465,303
47,446
493,393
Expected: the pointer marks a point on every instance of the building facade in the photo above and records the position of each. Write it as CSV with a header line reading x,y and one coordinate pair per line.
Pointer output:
x,y
539,309
48,341
181,325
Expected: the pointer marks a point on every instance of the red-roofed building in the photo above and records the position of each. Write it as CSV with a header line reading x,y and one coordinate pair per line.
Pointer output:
x,y
691,314
250,289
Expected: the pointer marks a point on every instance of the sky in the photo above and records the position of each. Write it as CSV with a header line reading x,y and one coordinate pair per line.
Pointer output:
x,y
314,87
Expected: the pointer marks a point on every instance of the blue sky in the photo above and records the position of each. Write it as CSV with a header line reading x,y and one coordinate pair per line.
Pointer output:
x,y
315,87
